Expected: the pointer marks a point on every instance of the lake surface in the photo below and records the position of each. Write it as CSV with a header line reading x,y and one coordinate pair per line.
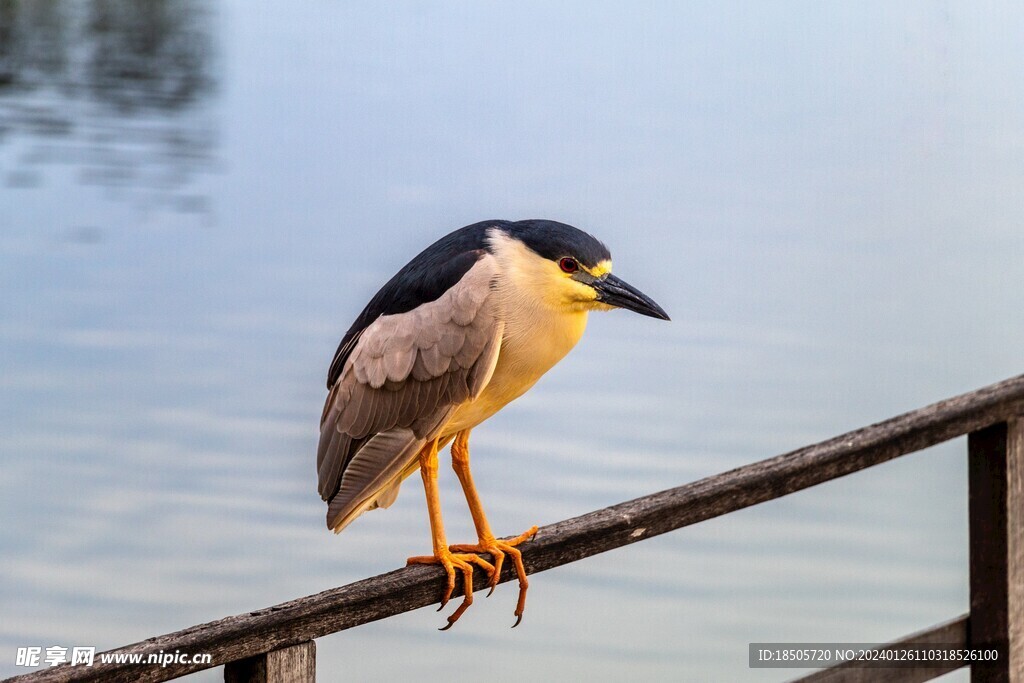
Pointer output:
x,y
197,199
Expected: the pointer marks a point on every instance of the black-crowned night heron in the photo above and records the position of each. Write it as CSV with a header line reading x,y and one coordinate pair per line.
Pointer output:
x,y
463,329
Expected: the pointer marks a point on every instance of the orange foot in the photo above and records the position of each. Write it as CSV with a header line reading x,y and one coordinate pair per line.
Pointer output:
x,y
464,563
497,549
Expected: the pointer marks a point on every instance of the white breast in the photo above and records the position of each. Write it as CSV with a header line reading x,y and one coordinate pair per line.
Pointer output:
x,y
537,335
528,350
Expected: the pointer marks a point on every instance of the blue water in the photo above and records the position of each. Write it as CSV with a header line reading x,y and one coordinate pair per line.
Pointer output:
x,y
195,202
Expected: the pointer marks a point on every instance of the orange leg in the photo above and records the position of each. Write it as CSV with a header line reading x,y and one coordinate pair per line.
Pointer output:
x,y
487,542
442,555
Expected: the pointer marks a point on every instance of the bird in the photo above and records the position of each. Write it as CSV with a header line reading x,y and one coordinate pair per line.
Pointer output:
x,y
463,329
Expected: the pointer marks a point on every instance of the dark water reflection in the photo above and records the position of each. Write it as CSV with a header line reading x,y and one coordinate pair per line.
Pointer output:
x,y
118,90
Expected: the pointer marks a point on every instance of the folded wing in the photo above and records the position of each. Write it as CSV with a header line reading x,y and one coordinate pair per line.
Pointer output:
x,y
405,376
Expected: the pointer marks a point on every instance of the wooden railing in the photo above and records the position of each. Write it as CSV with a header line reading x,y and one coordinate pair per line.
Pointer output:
x,y
276,643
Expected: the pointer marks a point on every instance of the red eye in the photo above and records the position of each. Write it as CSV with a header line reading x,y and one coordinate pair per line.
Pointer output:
x,y
568,265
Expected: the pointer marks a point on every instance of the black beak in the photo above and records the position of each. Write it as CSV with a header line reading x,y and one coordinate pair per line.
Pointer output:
x,y
619,293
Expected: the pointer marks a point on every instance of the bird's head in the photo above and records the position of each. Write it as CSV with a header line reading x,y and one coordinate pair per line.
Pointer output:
x,y
565,268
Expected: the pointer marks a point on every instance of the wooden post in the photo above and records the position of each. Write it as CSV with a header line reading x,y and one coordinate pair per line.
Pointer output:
x,y
296,664
996,512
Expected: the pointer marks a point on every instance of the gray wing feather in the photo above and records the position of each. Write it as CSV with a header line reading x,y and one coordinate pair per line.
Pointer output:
x,y
420,373
398,364
480,373
400,385
375,372
380,460
449,342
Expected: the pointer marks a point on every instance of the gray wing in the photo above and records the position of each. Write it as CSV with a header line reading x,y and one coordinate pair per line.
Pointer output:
x,y
405,377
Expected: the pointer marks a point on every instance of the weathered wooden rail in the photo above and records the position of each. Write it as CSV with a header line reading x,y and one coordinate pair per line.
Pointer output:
x,y
276,643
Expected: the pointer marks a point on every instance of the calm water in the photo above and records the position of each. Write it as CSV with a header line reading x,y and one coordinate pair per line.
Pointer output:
x,y
195,202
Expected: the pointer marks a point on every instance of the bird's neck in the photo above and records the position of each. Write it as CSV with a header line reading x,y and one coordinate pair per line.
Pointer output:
x,y
536,336
539,328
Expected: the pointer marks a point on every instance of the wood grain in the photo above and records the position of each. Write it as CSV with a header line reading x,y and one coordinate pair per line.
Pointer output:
x,y
996,513
409,588
295,664
1015,545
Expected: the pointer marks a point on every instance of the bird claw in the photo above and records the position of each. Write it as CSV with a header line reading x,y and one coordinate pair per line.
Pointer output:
x,y
462,558
451,562
498,549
